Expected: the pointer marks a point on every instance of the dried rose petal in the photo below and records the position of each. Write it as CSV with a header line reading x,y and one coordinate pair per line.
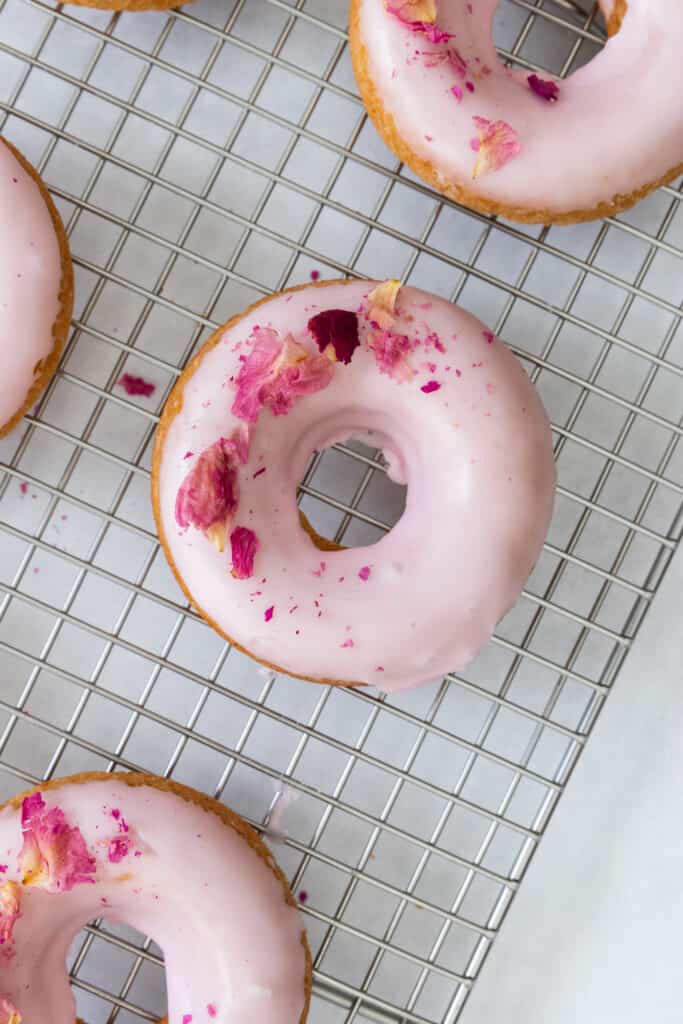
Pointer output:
x,y
382,303
119,847
244,545
10,911
364,573
430,386
54,855
8,1012
391,353
497,144
544,88
275,374
137,385
336,333
410,11
457,62
209,494
269,612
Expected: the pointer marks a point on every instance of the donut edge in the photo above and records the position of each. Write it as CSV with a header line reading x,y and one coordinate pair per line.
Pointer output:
x,y
229,818
60,328
128,5
174,405
456,191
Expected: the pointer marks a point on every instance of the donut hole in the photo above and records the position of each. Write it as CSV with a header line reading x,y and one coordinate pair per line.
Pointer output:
x,y
347,498
103,958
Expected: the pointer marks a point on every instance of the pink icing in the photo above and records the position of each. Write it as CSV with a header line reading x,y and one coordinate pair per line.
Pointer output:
x,y
618,115
480,474
213,905
30,275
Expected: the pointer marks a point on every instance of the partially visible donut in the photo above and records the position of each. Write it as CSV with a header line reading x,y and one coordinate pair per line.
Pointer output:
x,y
504,141
457,418
172,863
36,286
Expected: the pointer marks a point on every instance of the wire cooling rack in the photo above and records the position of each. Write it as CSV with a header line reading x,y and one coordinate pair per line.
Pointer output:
x,y
201,159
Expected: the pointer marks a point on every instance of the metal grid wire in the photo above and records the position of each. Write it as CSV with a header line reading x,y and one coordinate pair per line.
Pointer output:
x,y
201,159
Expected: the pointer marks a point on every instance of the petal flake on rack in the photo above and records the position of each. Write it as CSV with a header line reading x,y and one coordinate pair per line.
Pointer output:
x,y
54,855
335,332
496,146
209,495
243,544
275,374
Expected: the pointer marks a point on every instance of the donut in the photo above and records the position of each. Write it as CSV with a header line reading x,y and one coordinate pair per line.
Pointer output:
x,y
458,421
128,5
170,862
36,286
505,141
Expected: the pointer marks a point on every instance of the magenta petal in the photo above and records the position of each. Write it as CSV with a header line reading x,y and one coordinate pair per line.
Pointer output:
x,y
432,385
269,612
364,573
54,856
275,374
338,328
209,494
244,545
544,88
137,385
119,847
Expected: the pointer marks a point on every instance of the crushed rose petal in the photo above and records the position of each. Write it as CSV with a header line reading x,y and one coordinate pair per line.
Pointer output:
x,y
497,145
336,333
209,495
244,544
347,643
382,303
457,62
275,374
490,337
10,911
119,847
364,573
411,11
391,353
269,612
54,855
8,1012
137,385
457,92
430,386
544,88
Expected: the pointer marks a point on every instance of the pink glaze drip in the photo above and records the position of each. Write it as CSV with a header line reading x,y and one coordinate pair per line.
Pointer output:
x,y
476,454
616,123
229,939
30,275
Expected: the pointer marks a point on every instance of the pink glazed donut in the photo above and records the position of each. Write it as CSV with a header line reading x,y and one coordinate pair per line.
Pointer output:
x,y
36,286
522,145
458,421
170,862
